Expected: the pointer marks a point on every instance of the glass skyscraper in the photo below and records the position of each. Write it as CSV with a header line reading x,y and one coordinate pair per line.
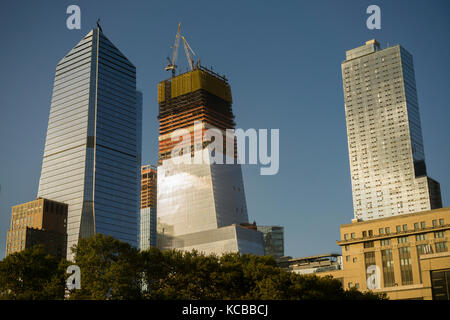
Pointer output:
x,y
387,160
92,151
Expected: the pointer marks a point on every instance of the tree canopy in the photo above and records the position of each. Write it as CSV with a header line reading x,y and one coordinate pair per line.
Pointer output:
x,y
32,274
111,269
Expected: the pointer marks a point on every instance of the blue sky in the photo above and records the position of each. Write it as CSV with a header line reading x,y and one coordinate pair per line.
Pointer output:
x,y
283,61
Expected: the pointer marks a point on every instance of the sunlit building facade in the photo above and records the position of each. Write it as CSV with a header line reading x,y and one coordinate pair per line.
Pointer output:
x,y
93,147
38,222
200,204
387,160
405,256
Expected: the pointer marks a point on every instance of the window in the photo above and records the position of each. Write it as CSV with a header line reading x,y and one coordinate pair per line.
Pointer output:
x,y
369,260
387,230
355,259
416,226
388,268
422,225
441,222
381,231
370,233
350,284
364,234
441,246
424,249
398,228
405,265
440,284
368,244
421,237
435,223
357,285
385,242
346,236
405,227
347,247
402,239
347,258
439,234
353,235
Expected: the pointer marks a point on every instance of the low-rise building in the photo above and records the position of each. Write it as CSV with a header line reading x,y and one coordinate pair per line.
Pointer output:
x,y
40,221
273,240
312,264
405,256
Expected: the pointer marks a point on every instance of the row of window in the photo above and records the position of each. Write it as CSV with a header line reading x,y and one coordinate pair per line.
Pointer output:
x,y
404,259
398,228
440,246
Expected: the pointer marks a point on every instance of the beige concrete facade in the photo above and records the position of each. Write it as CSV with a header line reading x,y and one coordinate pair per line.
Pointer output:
x,y
410,252
40,221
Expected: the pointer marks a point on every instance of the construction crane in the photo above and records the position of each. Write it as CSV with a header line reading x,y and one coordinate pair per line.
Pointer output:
x,y
188,50
172,63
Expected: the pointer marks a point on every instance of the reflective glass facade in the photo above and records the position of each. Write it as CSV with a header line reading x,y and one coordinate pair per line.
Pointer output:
x,y
217,241
147,217
386,153
273,240
147,228
93,145
199,197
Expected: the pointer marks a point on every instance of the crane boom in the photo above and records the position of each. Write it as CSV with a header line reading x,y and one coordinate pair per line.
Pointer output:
x,y
172,64
188,50
175,47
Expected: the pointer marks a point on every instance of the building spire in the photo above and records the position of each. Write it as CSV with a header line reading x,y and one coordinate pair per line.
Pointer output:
x,y
98,25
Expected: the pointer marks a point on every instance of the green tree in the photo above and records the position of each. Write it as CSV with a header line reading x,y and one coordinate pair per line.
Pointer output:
x,y
110,269
32,274
175,274
191,275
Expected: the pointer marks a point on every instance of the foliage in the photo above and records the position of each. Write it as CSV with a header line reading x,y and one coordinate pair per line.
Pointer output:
x,y
192,275
32,274
111,269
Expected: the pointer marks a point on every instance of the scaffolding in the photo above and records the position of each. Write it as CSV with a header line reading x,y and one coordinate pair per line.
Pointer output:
x,y
199,95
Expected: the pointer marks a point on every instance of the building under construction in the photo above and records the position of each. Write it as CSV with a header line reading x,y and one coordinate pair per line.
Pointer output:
x,y
148,186
200,206
147,218
198,95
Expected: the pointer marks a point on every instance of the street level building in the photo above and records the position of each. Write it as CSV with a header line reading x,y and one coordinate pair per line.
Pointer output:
x,y
312,264
405,256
